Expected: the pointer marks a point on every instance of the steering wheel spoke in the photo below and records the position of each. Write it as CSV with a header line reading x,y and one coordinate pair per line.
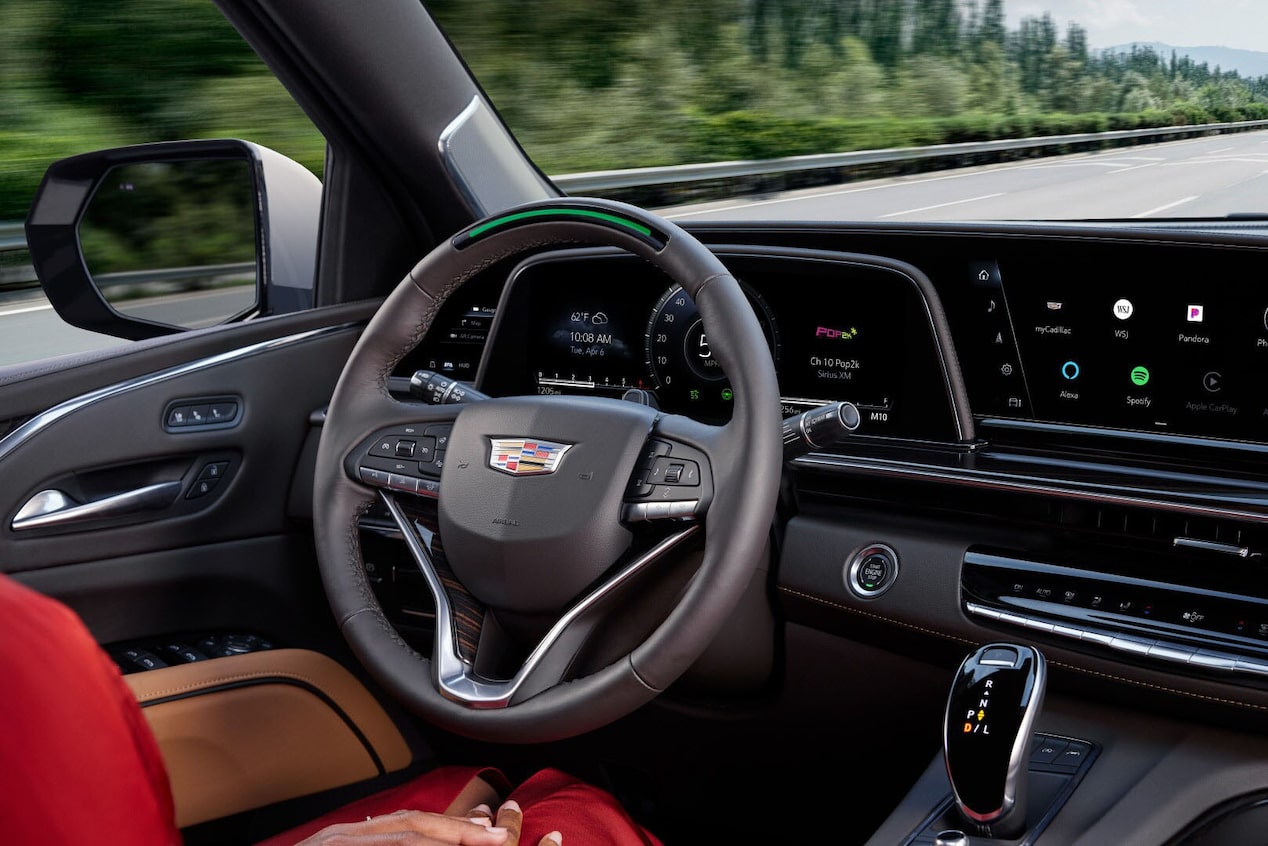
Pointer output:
x,y
458,632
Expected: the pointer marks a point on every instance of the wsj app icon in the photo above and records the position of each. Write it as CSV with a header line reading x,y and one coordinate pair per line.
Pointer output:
x,y
1194,313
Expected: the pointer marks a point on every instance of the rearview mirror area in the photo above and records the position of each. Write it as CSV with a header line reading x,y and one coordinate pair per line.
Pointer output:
x,y
174,242
152,239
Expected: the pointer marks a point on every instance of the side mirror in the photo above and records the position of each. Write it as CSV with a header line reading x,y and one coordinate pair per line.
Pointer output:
x,y
153,239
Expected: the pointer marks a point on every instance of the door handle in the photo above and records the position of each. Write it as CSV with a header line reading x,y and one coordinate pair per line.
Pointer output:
x,y
54,508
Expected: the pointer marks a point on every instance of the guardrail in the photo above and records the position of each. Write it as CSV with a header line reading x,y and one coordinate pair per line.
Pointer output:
x,y
652,177
13,234
237,271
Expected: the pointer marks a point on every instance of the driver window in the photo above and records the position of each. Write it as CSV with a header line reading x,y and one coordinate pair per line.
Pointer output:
x,y
79,76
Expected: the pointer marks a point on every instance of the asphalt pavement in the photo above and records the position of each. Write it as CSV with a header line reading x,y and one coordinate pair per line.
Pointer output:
x,y
30,329
1201,177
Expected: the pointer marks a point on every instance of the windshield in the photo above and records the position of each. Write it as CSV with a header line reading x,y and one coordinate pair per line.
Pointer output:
x,y
875,110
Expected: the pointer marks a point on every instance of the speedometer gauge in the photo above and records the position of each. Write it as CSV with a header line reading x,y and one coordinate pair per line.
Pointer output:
x,y
687,377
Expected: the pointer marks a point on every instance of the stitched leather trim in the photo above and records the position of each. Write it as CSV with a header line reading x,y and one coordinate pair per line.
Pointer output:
x,y
247,731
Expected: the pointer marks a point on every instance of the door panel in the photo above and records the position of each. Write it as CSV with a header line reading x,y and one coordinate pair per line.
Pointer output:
x,y
209,481
235,558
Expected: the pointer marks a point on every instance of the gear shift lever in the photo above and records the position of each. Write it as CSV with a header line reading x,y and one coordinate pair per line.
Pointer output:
x,y
995,697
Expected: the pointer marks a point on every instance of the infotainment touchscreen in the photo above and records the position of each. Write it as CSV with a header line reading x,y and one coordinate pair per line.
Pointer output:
x,y
1179,351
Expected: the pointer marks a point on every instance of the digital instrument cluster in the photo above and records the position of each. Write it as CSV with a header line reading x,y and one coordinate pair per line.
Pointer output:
x,y
605,324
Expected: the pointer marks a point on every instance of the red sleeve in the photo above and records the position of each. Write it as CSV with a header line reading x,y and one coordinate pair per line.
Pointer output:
x,y
432,791
78,762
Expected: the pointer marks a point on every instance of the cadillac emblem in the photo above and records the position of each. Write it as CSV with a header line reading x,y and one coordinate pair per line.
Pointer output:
x,y
524,457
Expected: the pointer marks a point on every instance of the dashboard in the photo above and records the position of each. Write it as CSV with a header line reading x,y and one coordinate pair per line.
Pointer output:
x,y
1144,334
1064,429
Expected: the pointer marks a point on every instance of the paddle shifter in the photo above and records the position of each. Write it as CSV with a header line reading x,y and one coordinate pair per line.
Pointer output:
x,y
994,700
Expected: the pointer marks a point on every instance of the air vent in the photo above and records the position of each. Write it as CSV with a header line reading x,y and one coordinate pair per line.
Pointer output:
x,y
1154,526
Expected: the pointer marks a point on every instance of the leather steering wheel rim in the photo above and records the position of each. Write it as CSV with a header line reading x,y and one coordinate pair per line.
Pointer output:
x,y
746,469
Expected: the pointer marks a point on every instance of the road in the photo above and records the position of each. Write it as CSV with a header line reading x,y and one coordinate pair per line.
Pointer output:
x,y
30,329
1203,177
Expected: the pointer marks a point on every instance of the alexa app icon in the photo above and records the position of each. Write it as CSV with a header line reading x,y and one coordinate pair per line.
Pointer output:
x,y
1194,313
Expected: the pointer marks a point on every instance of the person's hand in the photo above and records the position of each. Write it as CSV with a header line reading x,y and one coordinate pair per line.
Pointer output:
x,y
511,818
423,828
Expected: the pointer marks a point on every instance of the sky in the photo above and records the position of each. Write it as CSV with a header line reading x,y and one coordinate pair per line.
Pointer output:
x,y
1182,23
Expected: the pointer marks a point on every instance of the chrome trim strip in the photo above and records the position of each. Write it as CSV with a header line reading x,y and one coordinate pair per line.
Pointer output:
x,y
42,510
1142,497
1166,651
444,145
1212,546
1127,434
455,677
44,419
447,134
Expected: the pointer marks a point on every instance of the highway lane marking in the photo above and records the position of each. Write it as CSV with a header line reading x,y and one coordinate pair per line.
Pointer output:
x,y
1221,160
1085,163
944,205
7,312
1167,206
1220,150
1133,167
797,199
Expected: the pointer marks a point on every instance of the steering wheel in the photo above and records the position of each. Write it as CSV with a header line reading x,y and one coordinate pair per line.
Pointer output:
x,y
549,507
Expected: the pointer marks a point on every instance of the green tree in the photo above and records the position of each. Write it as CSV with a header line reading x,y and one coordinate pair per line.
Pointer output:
x,y
137,59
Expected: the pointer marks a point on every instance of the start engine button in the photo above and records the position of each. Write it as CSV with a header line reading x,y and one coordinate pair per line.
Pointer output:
x,y
871,570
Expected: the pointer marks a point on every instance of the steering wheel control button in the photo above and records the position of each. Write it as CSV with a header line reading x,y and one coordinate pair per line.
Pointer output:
x,y
871,571
371,476
658,471
634,512
399,482
678,509
683,508
408,459
657,510
440,433
638,487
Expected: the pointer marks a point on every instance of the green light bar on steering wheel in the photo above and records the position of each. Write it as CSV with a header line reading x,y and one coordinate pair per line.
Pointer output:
x,y
548,213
